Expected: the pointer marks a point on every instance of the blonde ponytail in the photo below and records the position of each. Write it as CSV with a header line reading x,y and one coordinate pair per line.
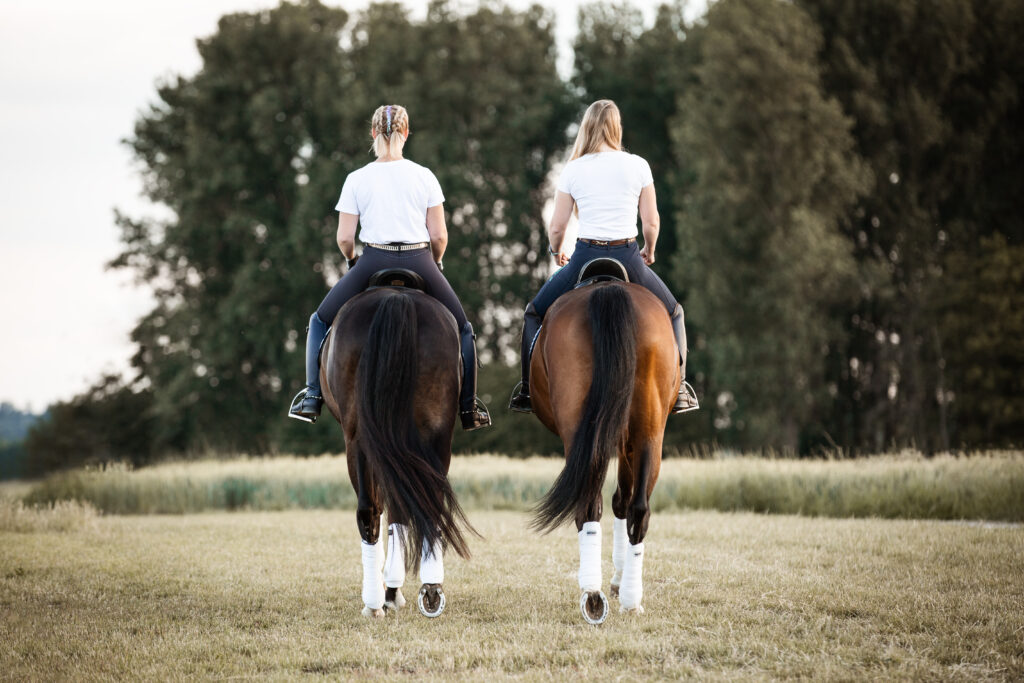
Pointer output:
x,y
391,124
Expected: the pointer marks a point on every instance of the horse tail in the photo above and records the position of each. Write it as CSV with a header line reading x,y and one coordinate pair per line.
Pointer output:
x,y
602,427
407,472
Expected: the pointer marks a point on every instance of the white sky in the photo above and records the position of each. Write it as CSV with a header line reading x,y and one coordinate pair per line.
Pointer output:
x,y
73,77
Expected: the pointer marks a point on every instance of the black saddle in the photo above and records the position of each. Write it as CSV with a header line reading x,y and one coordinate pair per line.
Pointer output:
x,y
602,269
397,277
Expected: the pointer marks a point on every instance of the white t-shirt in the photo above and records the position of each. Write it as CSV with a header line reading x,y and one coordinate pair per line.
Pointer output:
x,y
391,199
606,188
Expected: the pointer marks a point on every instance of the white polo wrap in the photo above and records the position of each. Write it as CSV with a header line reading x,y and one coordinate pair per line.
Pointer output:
x,y
590,556
620,541
432,564
394,565
373,586
631,590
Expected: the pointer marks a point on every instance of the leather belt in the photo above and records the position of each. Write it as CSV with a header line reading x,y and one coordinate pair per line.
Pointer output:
x,y
606,243
397,246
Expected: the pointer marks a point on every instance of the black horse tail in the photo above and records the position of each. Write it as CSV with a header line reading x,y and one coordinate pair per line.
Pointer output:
x,y
407,472
605,411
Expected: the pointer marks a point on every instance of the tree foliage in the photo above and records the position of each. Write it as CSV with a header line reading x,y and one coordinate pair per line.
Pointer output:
x,y
764,259
839,186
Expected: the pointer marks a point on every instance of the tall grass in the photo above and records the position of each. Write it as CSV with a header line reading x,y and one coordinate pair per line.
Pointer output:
x,y
980,487
63,515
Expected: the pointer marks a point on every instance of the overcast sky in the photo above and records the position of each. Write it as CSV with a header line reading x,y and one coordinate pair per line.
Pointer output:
x,y
73,77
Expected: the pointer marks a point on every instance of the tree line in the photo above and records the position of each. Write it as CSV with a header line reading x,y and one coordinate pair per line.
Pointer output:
x,y
839,186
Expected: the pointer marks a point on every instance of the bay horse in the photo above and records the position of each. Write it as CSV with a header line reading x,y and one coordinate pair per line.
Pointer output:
x,y
604,376
390,373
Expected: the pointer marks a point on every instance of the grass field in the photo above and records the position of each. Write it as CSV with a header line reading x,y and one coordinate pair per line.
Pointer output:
x,y
981,487
728,595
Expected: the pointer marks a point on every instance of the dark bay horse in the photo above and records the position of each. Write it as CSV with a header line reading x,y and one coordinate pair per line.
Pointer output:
x,y
604,376
390,373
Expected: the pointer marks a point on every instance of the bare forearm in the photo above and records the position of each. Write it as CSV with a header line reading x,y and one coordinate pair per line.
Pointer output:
x,y
556,235
651,231
348,248
438,246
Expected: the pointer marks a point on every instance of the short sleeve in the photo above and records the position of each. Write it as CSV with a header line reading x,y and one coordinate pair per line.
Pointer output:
x,y
565,179
434,194
646,177
347,201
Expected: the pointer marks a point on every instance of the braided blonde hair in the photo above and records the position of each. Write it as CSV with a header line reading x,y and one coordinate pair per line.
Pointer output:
x,y
601,125
391,124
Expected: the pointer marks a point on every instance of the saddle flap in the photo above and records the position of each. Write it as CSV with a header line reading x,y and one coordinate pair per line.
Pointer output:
x,y
397,277
601,270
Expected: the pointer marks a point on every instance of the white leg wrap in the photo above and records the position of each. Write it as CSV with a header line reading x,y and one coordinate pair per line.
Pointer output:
x,y
394,565
631,591
590,556
432,565
620,541
373,586
380,545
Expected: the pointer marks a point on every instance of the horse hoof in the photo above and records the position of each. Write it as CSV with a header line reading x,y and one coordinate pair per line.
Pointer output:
x,y
594,607
393,600
632,610
614,590
431,600
375,613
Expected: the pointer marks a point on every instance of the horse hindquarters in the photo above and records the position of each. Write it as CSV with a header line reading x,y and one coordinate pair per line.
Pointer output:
x,y
408,471
604,414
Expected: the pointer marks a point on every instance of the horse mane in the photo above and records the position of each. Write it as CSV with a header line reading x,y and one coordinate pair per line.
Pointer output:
x,y
613,324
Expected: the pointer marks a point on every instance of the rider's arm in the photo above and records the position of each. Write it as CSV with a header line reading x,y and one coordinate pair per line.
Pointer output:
x,y
347,223
559,222
651,222
438,231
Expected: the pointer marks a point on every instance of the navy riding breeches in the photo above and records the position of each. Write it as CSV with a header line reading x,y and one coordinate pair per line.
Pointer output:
x,y
628,254
420,261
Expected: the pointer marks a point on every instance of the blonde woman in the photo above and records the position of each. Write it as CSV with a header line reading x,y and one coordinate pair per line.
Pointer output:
x,y
607,187
399,206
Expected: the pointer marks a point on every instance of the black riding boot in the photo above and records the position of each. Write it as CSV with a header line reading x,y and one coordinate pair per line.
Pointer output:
x,y
473,412
520,402
306,404
687,399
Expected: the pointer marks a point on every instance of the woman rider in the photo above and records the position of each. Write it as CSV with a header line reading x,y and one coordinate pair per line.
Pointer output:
x,y
606,185
399,205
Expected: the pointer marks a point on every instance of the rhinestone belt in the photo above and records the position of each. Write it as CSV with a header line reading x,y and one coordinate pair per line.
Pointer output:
x,y
398,246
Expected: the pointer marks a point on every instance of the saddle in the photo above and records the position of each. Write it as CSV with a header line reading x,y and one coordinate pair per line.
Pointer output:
x,y
602,269
397,277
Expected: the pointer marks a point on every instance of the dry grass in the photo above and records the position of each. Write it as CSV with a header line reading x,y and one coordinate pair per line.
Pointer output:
x,y
276,595
64,515
982,486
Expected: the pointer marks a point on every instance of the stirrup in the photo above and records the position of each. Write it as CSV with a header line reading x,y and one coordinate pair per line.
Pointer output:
x,y
520,401
477,418
687,399
295,411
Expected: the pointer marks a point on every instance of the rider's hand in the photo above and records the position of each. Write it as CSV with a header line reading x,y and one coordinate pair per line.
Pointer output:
x,y
647,256
561,258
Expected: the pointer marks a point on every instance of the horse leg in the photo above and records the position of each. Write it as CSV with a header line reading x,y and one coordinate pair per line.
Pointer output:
x,y
638,514
431,599
394,568
593,603
620,503
368,519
